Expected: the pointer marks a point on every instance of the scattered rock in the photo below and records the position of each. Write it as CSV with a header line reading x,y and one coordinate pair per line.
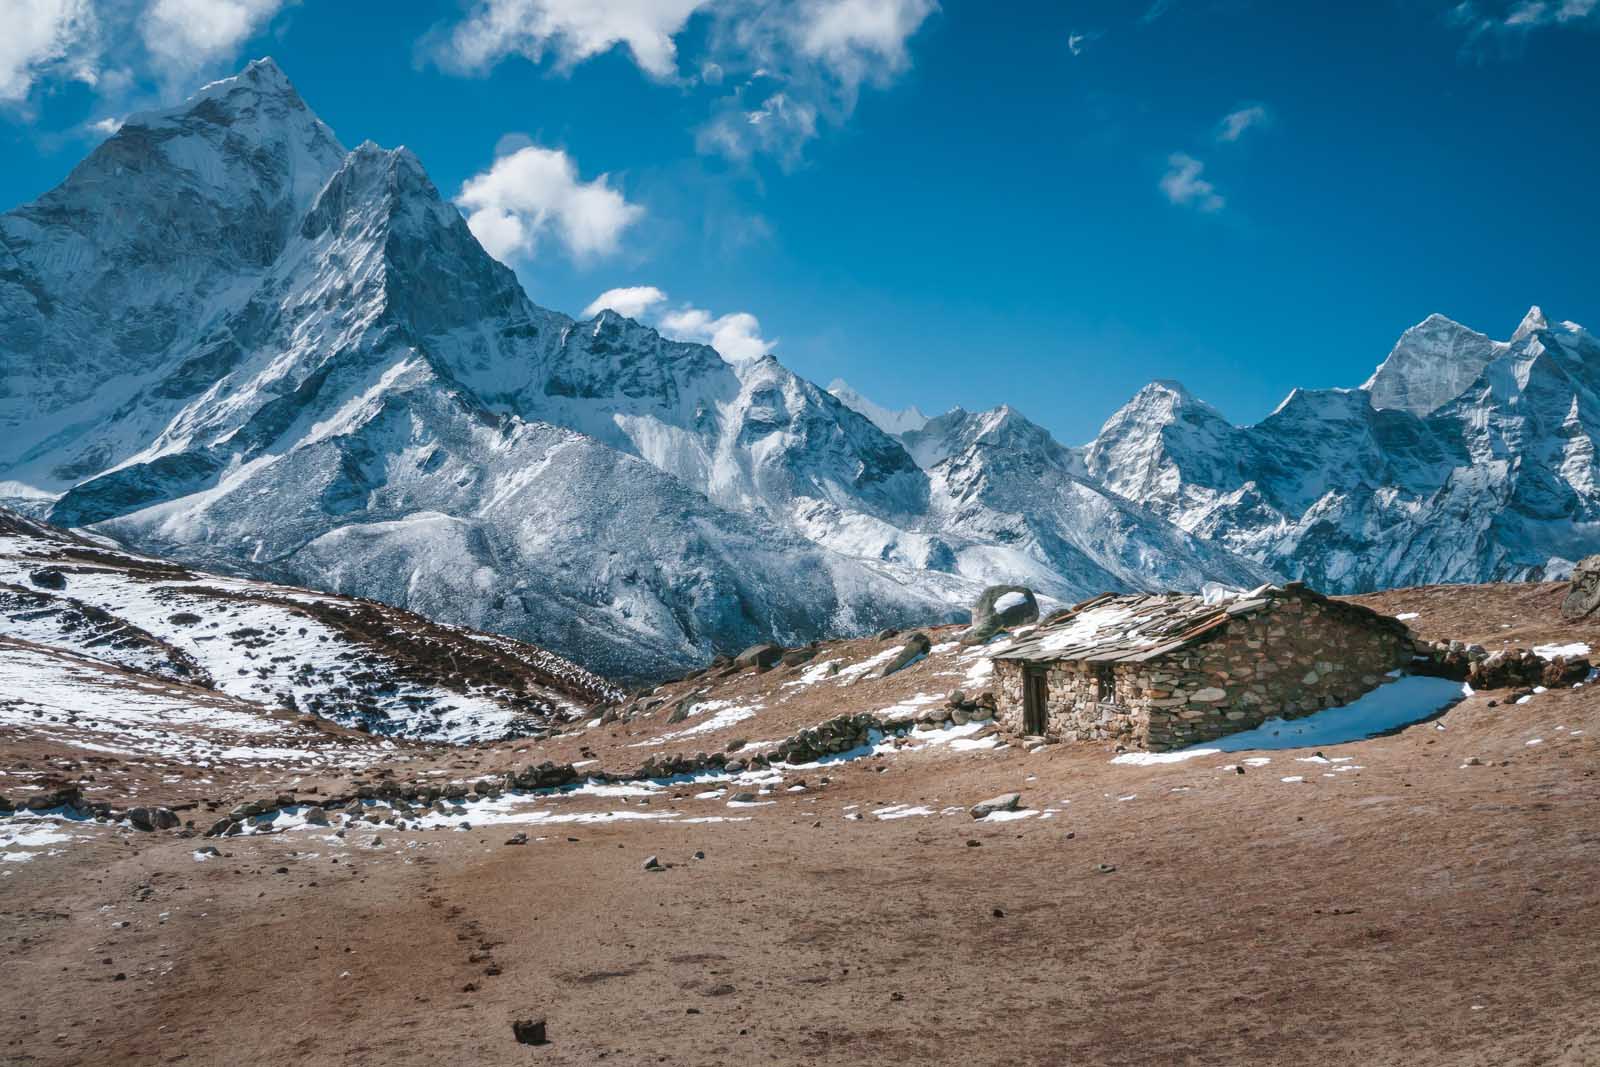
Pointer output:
x,y
652,863
529,1031
1004,802
1104,868
149,819
742,798
49,578
517,839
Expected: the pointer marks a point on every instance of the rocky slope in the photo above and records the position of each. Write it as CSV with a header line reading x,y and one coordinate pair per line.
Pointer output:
x,y
83,623
231,342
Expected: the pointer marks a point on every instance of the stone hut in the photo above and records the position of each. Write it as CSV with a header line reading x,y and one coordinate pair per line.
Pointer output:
x,y
1159,672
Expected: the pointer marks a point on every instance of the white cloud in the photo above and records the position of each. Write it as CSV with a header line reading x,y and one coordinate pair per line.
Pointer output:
x,y
107,126
534,191
185,36
1183,185
1078,43
791,64
860,40
573,30
804,65
1235,123
41,36
630,302
736,336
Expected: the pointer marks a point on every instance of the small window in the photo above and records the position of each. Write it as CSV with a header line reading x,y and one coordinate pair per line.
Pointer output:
x,y
1105,683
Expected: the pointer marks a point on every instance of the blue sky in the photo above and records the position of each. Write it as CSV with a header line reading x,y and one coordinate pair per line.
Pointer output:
x,y
945,203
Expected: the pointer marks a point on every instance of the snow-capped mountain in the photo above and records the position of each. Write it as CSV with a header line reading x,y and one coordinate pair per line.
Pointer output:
x,y
1461,460
896,422
230,341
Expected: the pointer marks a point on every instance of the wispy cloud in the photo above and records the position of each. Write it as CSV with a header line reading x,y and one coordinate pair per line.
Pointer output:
x,y
1235,123
1502,26
185,37
791,66
803,67
43,38
133,53
1155,11
1078,42
532,192
1184,186
569,30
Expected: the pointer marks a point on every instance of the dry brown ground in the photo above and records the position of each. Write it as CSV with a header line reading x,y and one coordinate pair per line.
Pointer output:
x,y
1416,911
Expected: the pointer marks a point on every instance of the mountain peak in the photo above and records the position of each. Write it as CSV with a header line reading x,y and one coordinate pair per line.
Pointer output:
x,y
1430,365
1531,323
891,422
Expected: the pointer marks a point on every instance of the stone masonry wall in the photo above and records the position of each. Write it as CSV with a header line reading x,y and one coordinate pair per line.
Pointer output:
x,y
1296,656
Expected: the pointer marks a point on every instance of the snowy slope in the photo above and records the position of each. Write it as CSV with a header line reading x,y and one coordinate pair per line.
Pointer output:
x,y
336,386
277,646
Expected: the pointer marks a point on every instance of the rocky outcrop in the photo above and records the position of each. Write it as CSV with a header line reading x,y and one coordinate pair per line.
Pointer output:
x,y
1583,598
1000,607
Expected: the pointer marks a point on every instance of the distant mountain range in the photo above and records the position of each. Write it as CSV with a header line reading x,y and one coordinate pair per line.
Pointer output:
x,y
231,341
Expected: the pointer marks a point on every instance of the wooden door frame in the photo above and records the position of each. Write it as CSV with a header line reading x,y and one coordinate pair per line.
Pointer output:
x,y
1035,701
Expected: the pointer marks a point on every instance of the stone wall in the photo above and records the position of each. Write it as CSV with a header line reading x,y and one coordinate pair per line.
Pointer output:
x,y
1297,655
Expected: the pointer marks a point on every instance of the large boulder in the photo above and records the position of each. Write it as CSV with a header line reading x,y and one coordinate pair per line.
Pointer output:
x,y
1003,802
1584,596
1000,607
913,647
762,657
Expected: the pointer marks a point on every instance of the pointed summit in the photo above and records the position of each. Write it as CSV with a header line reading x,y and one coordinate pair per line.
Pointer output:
x,y
1430,365
1532,323
894,422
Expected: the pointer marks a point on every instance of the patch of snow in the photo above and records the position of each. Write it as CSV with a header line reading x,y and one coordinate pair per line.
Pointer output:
x,y
1009,601
1388,707
1009,816
902,811
1570,651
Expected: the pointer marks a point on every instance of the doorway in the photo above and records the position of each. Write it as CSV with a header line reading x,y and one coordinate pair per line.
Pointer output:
x,y
1035,702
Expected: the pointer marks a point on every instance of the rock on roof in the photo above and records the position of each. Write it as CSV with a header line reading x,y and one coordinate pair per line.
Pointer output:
x,y
1137,627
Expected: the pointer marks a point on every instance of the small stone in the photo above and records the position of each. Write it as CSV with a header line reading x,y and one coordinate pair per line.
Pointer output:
x,y
699,855
1104,868
742,798
517,839
529,1031
652,863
